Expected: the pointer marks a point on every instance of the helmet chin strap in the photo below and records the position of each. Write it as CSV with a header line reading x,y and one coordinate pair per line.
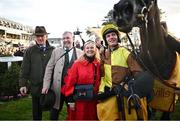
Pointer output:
x,y
113,47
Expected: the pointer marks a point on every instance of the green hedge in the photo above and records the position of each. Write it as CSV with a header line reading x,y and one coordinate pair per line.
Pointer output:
x,y
9,79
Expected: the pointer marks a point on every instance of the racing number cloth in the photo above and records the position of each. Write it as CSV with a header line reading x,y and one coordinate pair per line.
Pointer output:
x,y
165,96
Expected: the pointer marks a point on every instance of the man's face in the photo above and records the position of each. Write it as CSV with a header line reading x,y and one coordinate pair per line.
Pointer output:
x,y
68,40
41,39
112,39
98,42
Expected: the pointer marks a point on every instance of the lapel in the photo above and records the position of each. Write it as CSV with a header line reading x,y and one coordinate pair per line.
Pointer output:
x,y
73,58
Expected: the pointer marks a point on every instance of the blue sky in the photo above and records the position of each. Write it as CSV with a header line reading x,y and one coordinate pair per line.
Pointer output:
x,y
61,15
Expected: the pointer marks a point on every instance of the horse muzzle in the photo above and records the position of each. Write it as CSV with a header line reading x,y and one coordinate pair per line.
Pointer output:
x,y
125,14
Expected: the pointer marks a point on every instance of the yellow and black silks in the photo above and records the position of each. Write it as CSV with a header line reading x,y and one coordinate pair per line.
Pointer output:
x,y
116,65
108,110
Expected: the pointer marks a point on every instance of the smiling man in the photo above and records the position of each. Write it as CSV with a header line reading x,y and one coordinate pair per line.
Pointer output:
x,y
57,67
117,63
33,67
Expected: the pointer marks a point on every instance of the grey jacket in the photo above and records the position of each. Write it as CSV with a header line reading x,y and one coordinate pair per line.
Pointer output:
x,y
56,64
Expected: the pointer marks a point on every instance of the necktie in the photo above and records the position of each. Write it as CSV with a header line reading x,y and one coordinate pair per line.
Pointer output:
x,y
66,63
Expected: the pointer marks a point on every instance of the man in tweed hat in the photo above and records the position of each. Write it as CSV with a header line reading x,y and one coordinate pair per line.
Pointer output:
x,y
33,67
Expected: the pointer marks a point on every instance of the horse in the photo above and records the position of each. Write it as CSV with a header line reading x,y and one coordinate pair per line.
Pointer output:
x,y
158,55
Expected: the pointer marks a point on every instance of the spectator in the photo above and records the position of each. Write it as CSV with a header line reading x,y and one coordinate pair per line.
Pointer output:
x,y
77,44
60,66
19,52
85,72
99,43
33,68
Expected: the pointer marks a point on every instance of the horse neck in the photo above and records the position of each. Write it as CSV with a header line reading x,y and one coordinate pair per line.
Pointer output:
x,y
152,40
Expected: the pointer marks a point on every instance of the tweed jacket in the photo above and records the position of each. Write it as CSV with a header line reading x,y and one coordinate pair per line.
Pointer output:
x,y
33,67
55,68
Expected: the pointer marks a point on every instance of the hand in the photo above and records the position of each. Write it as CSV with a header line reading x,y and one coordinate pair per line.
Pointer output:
x,y
70,99
101,50
23,90
44,90
100,96
71,106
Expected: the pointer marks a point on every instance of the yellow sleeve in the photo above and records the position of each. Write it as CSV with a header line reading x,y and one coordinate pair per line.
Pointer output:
x,y
102,85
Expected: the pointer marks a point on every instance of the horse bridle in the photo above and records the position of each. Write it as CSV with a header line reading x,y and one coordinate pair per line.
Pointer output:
x,y
143,15
156,74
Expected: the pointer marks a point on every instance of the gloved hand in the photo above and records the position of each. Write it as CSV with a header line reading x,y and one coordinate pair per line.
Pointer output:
x,y
117,89
70,99
107,93
71,102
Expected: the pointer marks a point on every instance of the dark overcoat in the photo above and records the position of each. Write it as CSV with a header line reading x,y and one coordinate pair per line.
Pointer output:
x,y
33,67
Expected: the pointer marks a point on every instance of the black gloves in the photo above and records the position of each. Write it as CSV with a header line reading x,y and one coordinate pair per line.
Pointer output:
x,y
70,99
107,93
142,84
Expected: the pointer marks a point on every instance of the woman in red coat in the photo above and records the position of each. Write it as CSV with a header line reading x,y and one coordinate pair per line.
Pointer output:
x,y
85,71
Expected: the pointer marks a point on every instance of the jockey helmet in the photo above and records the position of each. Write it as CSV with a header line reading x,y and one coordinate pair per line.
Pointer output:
x,y
107,29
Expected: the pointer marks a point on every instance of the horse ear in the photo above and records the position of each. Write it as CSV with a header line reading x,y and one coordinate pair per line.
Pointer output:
x,y
149,1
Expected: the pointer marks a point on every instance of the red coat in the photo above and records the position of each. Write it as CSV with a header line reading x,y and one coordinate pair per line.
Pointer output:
x,y
82,72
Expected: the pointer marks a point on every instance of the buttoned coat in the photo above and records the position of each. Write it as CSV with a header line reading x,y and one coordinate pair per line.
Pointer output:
x,y
33,67
55,68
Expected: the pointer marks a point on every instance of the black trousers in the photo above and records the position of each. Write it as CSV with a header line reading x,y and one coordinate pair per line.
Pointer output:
x,y
63,99
54,113
36,108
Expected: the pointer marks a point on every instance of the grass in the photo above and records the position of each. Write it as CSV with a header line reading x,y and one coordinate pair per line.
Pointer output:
x,y
21,110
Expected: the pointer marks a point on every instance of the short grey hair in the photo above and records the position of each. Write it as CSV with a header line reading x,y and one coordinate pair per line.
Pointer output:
x,y
67,32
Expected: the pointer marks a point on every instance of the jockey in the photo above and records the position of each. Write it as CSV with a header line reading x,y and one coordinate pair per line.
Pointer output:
x,y
116,100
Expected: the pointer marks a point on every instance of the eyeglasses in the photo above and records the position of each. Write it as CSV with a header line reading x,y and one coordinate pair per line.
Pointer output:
x,y
66,38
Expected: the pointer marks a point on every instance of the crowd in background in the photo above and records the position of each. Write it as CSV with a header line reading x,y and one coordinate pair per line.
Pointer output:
x,y
9,51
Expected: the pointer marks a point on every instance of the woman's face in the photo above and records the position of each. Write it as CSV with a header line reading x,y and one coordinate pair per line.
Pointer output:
x,y
90,49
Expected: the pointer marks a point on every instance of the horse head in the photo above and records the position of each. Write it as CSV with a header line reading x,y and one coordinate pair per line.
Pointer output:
x,y
145,15
156,55
130,13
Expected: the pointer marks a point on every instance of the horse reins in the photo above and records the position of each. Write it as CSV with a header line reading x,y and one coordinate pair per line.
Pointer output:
x,y
139,59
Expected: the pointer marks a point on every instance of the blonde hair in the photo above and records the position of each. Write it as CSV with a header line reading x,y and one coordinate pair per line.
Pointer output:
x,y
97,55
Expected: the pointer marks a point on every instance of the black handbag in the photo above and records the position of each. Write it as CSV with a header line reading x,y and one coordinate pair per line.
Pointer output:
x,y
85,91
